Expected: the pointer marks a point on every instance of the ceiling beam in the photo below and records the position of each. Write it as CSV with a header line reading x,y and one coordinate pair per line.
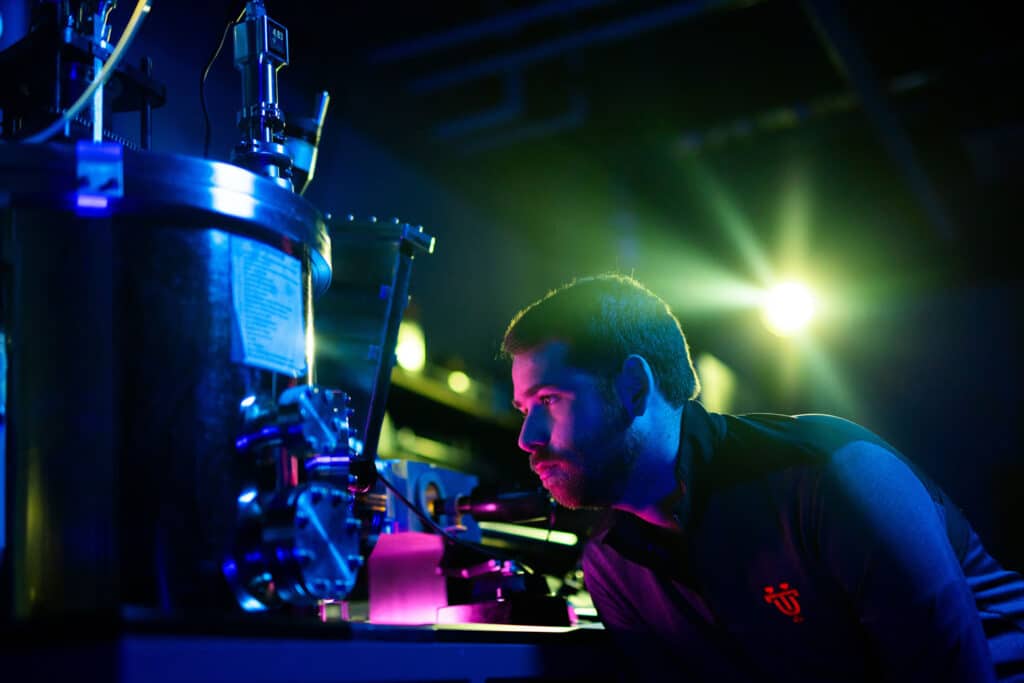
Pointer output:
x,y
498,25
787,116
620,29
845,51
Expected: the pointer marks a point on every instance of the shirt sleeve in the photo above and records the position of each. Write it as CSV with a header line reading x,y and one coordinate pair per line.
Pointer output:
x,y
639,654
615,612
881,537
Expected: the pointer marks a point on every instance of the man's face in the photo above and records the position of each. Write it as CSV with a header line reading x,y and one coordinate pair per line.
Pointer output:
x,y
575,430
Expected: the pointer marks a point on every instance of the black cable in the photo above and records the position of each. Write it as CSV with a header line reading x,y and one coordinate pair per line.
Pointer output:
x,y
444,533
202,82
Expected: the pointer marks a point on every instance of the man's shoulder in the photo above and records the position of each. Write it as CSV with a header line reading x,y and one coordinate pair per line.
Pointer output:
x,y
809,431
775,440
840,449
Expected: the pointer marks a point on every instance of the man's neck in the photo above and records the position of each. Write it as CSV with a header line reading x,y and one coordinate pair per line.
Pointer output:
x,y
661,514
653,490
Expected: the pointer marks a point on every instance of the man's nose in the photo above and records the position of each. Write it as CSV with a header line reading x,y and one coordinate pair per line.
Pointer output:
x,y
535,432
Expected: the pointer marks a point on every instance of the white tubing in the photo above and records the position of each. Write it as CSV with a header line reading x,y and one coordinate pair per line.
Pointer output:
x,y
141,10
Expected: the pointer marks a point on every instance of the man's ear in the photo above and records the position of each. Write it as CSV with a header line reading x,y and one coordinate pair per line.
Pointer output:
x,y
634,385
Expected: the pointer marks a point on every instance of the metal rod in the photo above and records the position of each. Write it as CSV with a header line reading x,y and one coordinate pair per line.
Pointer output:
x,y
99,39
382,382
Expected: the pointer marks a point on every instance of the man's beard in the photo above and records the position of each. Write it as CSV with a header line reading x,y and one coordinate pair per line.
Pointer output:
x,y
607,459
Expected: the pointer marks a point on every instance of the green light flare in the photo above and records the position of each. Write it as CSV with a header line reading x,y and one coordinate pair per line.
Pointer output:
x,y
693,294
794,225
732,220
826,375
694,284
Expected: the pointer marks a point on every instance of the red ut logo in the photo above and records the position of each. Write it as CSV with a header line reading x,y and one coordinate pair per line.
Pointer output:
x,y
785,600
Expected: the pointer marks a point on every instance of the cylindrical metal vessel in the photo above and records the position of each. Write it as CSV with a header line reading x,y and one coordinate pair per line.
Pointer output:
x,y
144,296
15,21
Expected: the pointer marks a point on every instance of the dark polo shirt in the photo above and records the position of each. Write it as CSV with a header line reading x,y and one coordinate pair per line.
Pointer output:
x,y
811,551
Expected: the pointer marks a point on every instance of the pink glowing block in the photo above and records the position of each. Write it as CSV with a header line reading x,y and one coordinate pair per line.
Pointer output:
x,y
405,581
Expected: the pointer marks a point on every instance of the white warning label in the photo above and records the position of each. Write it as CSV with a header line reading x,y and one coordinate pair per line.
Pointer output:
x,y
266,287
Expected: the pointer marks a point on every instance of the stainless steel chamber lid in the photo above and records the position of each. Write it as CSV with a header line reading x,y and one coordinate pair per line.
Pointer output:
x,y
194,192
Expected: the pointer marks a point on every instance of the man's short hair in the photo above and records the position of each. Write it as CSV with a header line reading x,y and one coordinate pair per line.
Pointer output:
x,y
603,319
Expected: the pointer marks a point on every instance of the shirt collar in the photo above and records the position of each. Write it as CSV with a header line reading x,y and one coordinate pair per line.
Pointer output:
x,y
699,434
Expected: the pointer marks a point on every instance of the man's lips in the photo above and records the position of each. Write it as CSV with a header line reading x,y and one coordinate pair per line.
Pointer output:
x,y
544,469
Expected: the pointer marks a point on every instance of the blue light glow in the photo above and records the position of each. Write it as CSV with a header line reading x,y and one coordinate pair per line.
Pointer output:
x,y
230,569
247,401
252,605
244,442
326,461
92,204
231,203
92,201
232,191
247,496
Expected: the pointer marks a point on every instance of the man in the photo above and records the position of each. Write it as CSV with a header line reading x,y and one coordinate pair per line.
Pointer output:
x,y
746,548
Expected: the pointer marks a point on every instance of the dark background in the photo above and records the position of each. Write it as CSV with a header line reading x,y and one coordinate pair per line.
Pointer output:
x,y
704,147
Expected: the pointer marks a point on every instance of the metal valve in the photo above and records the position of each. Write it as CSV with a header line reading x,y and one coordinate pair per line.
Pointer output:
x,y
297,547
309,419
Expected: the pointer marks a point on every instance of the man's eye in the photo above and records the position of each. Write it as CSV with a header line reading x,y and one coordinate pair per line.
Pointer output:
x,y
548,399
